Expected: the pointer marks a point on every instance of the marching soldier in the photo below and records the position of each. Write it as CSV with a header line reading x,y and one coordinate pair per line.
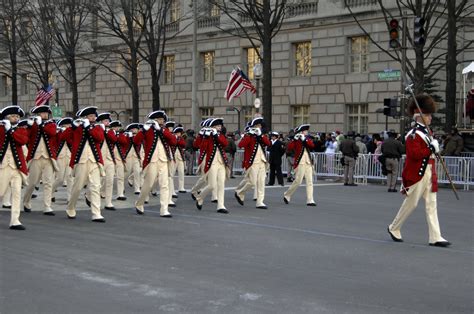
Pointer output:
x,y
109,158
254,163
301,145
120,159
63,153
132,154
41,157
215,167
156,140
86,161
171,166
419,173
13,170
179,158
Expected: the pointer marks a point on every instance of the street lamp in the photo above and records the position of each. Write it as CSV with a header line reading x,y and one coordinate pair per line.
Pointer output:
x,y
258,73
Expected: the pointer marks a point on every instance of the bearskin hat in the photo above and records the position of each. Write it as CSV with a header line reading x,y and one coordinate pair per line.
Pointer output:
x,y
426,103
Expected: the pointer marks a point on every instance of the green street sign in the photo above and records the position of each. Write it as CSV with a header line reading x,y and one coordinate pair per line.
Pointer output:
x,y
389,75
57,112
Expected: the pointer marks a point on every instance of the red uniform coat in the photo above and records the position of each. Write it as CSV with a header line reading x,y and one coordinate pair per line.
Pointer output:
x,y
63,138
199,143
212,146
180,144
47,131
16,138
93,135
418,155
150,140
250,144
299,147
121,140
126,146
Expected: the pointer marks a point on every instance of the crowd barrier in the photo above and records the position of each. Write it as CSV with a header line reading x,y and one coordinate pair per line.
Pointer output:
x,y
367,167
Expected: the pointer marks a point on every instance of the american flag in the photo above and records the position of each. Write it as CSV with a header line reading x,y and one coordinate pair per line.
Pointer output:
x,y
43,95
238,83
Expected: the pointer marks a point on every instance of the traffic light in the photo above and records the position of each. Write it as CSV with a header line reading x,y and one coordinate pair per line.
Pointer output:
x,y
419,31
386,106
390,106
393,43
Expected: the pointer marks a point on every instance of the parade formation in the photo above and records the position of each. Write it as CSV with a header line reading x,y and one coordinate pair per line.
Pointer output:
x,y
91,151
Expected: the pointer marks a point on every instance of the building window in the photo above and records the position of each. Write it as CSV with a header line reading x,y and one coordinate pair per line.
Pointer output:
x,y
207,59
24,84
252,59
359,54
214,9
168,71
206,112
93,78
175,11
358,118
303,58
3,86
300,114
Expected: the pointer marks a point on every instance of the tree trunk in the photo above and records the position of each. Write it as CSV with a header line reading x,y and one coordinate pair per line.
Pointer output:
x,y
267,83
451,63
13,59
75,93
134,83
155,86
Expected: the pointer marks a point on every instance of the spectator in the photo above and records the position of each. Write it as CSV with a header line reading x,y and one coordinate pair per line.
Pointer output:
x,y
454,144
392,150
349,151
230,151
372,143
189,152
362,147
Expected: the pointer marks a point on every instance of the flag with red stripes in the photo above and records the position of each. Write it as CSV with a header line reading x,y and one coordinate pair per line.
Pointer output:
x,y
238,84
44,95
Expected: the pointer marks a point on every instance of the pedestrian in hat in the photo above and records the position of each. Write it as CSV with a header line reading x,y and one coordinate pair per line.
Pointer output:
x,y
156,139
276,151
86,161
41,158
63,153
13,170
419,177
255,163
302,145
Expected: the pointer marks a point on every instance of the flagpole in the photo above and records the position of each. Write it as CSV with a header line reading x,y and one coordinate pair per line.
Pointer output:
x,y
194,105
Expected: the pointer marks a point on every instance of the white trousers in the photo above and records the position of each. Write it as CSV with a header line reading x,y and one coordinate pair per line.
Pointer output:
x,y
11,180
215,182
120,174
107,182
153,171
420,189
63,176
134,173
40,169
302,171
254,178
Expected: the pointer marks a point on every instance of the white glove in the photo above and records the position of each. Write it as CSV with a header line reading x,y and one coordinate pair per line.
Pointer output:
x,y
7,124
85,123
38,120
207,132
129,134
214,131
302,137
146,126
251,131
102,126
77,122
62,129
434,146
258,132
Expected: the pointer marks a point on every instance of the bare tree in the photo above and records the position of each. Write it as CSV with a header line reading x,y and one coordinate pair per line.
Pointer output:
x,y
259,21
440,30
12,13
69,20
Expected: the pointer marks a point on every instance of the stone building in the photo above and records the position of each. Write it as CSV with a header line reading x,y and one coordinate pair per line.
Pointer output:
x,y
325,71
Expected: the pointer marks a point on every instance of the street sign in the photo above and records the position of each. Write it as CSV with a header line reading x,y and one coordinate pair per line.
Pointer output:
x,y
57,112
389,75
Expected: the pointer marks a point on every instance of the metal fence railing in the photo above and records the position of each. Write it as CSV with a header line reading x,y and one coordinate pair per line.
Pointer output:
x,y
367,167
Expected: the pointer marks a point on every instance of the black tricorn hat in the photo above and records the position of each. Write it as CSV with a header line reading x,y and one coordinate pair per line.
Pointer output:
x,y
133,126
104,116
302,128
178,129
42,108
426,103
115,123
170,124
254,122
87,111
11,110
64,121
158,114
217,121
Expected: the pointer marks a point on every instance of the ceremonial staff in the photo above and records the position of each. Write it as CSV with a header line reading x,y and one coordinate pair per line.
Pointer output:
x,y
409,89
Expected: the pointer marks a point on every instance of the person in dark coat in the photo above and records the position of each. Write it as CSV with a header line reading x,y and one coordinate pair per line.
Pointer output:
x,y
277,150
349,151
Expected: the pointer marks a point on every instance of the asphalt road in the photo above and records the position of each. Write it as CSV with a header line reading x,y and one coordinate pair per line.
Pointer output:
x,y
333,258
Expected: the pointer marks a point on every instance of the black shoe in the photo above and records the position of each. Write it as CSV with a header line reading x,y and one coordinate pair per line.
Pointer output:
x,y
393,237
26,209
70,217
290,180
87,200
232,177
146,202
154,193
346,184
49,214
34,196
174,196
53,199
282,184
99,220
184,191
193,197
222,211
102,197
199,207
121,198
139,212
171,205
137,193
441,244
394,190
352,184
17,227
262,207
109,207
254,199
166,216
311,204
214,201
37,188
270,184
238,199
6,206
285,200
